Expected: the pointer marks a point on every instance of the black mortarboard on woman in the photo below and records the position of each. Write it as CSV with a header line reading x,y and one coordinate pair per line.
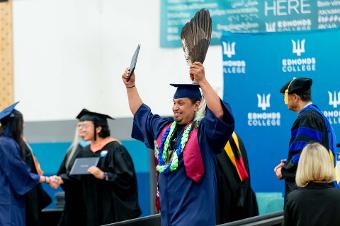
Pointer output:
x,y
98,119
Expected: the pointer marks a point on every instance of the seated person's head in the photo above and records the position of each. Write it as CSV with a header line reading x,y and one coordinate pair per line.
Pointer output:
x,y
315,165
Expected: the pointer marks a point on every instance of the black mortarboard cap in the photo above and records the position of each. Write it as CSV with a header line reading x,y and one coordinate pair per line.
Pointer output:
x,y
8,111
191,91
86,115
297,85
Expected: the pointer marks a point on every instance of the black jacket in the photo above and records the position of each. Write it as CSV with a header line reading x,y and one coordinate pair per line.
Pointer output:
x,y
315,205
236,200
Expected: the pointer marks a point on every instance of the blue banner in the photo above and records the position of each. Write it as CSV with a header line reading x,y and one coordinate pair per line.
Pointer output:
x,y
248,16
255,67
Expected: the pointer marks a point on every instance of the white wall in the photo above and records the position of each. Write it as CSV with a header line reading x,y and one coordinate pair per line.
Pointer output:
x,y
70,54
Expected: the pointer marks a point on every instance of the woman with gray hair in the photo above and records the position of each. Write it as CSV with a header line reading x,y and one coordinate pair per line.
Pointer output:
x,y
317,200
74,204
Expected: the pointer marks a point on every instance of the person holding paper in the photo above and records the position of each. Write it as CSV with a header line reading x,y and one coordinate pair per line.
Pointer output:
x,y
186,147
16,179
109,190
74,204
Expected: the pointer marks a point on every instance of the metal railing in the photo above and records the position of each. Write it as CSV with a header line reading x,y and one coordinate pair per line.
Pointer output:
x,y
273,219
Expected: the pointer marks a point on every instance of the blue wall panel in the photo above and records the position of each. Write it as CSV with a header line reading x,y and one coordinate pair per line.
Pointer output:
x,y
255,67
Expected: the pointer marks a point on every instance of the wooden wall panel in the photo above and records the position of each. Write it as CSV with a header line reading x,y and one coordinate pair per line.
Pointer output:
x,y
6,55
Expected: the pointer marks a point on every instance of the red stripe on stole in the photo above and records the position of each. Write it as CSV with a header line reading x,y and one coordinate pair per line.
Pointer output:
x,y
241,169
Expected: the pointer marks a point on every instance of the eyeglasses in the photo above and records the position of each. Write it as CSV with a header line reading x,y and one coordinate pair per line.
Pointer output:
x,y
83,125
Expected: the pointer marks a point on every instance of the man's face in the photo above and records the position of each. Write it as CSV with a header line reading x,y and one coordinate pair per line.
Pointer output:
x,y
293,101
86,130
184,110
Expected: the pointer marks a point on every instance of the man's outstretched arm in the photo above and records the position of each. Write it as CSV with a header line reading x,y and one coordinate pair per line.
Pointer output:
x,y
134,99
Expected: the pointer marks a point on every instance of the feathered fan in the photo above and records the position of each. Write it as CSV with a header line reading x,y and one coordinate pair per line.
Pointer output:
x,y
196,36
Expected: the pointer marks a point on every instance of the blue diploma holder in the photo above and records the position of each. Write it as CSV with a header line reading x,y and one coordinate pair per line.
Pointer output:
x,y
81,165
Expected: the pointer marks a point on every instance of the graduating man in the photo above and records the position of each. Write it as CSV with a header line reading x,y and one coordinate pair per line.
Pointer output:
x,y
109,191
185,148
310,126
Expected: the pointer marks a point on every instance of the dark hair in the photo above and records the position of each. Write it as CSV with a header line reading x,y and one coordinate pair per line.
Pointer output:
x,y
13,126
105,131
194,100
305,95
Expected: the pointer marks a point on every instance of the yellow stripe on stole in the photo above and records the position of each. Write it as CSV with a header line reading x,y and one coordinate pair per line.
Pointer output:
x,y
230,153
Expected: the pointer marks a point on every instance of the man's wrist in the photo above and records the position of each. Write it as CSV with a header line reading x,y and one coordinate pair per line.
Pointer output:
x,y
43,179
203,82
129,87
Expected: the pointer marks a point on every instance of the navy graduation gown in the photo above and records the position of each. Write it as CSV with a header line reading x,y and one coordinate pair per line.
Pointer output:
x,y
183,201
15,181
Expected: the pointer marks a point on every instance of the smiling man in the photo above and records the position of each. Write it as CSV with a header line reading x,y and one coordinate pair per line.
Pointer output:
x,y
185,148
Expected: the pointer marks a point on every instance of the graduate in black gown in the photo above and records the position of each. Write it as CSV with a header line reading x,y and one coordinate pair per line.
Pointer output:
x,y
37,198
74,203
109,191
310,126
235,198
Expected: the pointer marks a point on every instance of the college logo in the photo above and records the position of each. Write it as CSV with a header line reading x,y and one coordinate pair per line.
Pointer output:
x,y
232,66
334,99
229,49
333,114
264,118
263,101
298,46
271,27
299,64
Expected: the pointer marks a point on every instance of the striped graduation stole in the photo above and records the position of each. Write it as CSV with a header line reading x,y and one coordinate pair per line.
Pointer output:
x,y
236,158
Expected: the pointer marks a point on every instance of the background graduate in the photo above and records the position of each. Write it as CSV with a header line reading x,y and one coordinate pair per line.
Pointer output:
x,y
109,191
16,178
235,200
37,198
74,204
